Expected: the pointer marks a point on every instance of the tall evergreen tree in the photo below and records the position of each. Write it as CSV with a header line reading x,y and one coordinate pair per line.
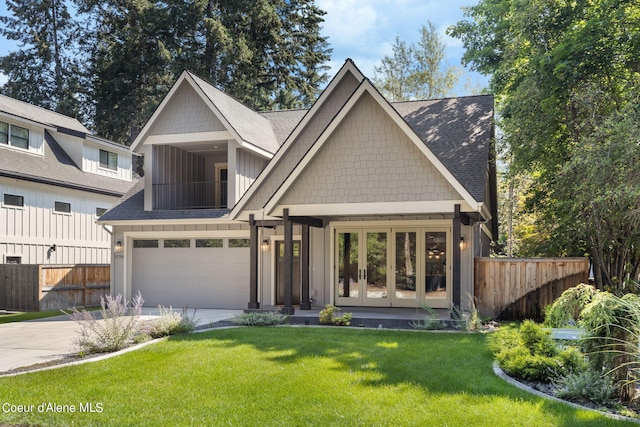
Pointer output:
x,y
45,71
266,53
129,63
417,71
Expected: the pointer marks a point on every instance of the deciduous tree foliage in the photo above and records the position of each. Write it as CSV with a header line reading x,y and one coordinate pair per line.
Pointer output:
x,y
563,72
265,53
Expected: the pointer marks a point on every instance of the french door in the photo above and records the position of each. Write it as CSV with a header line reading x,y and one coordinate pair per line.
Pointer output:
x,y
392,267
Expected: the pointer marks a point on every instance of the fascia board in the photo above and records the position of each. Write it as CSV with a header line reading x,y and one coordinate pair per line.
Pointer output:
x,y
367,87
348,67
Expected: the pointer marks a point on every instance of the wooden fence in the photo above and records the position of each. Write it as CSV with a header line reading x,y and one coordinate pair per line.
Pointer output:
x,y
514,288
49,287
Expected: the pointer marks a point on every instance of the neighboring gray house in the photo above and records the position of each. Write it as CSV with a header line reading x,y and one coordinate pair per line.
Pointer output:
x,y
354,202
55,180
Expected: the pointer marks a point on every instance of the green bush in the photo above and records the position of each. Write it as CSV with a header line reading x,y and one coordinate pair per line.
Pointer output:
x,y
612,331
430,321
585,386
328,316
118,328
531,354
260,318
170,322
565,311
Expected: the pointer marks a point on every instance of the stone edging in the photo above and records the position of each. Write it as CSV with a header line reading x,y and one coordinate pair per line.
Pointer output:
x,y
500,373
87,360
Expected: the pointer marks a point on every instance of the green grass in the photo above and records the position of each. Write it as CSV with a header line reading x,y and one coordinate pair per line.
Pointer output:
x,y
292,377
33,315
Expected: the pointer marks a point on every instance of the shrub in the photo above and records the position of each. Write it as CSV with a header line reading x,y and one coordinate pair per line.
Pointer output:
x,y
565,311
430,321
585,385
612,331
260,318
531,354
170,322
328,316
116,330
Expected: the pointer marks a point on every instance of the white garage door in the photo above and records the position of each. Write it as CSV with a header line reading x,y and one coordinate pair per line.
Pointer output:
x,y
198,273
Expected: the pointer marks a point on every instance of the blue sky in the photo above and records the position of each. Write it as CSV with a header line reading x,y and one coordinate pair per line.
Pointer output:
x,y
364,31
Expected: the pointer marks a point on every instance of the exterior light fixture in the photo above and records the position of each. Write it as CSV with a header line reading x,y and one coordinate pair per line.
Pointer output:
x,y
462,243
118,247
265,245
53,248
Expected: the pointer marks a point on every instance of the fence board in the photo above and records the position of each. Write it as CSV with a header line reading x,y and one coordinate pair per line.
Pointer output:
x,y
49,287
521,288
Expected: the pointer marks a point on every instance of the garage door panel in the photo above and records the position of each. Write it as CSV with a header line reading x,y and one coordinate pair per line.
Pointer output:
x,y
194,277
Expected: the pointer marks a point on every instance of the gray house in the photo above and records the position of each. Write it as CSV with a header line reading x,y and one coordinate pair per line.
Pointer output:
x,y
354,202
56,178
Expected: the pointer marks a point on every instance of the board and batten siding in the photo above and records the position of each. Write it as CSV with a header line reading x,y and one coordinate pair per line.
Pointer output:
x,y
248,167
30,231
91,162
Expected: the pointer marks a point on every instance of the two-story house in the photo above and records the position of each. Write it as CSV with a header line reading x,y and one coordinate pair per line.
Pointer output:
x,y
355,202
56,179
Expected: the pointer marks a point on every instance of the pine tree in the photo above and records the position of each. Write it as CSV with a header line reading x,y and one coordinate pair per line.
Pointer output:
x,y
417,71
45,71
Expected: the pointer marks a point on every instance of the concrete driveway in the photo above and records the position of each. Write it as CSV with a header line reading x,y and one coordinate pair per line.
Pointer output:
x,y
39,341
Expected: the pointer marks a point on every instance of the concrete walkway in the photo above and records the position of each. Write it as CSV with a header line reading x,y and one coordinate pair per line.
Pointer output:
x,y
39,341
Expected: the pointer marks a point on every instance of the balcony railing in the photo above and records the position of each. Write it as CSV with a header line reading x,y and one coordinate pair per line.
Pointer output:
x,y
190,195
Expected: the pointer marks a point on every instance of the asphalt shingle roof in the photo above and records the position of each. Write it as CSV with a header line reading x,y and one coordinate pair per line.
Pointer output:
x,y
40,115
250,126
131,208
57,168
457,130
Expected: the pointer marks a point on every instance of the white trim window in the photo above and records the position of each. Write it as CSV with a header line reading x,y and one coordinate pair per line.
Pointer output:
x,y
108,160
13,200
62,207
14,136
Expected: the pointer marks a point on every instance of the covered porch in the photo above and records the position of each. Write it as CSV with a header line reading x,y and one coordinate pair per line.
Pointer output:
x,y
382,264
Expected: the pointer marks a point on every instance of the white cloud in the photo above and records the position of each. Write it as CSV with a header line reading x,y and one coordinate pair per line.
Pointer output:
x,y
364,30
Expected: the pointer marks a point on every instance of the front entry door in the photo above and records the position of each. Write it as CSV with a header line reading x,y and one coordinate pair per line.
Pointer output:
x,y
393,267
280,269
363,265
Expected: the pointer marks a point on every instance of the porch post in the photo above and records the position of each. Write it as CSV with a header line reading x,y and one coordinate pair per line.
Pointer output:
x,y
305,304
253,265
457,232
288,263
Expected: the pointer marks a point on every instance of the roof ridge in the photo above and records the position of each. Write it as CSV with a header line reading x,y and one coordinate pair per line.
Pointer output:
x,y
42,108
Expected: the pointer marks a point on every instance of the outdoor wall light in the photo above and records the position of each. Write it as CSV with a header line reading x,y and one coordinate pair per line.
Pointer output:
x,y
265,245
53,248
462,243
118,246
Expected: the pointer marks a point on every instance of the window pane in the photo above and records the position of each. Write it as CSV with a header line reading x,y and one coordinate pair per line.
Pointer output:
x,y
62,207
108,160
19,137
145,243
13,260
4,133
13,200
101,211
239,243
208,243
406,265
177,243
435,265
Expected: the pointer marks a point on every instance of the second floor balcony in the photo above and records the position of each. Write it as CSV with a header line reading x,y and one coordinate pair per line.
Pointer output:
x,y
190,195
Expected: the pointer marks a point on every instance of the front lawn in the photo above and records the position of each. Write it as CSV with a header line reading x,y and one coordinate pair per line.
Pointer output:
x,y
289,376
